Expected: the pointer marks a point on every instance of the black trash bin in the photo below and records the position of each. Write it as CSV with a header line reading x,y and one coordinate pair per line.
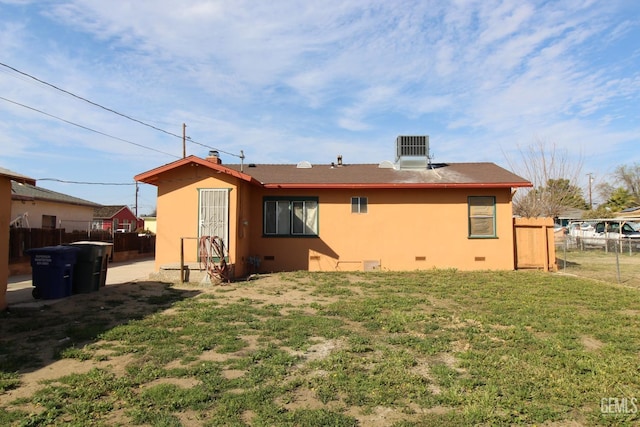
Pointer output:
x,y
88,268
52,271
108,255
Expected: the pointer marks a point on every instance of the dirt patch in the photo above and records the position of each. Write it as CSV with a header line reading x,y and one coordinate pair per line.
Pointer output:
x,y
379,417
321,350
591,343
233,373
632,313
304,398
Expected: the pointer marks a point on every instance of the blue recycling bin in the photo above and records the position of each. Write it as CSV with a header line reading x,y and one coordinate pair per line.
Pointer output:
x,y
52,271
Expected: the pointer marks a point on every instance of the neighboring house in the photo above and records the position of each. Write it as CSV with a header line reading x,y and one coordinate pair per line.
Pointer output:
x,y
150,224
6,178
633,212
37,207
117,218
406,215
567,215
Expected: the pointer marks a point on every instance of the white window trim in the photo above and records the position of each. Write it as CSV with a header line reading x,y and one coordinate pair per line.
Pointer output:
x,y
219,214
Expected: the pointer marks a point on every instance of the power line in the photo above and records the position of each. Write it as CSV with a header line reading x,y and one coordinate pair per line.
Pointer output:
x,y
114,111
87,100
88,128
85,182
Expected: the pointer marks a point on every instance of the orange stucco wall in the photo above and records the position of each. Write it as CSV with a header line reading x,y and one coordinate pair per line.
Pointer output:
x,y
403,229
177,213
5,212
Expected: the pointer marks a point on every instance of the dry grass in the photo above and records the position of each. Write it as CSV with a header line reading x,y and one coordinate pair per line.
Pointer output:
x,y
440,347
622,268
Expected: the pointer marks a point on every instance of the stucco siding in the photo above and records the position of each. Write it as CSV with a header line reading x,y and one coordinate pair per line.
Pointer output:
x,y
178,214
69,217
402,230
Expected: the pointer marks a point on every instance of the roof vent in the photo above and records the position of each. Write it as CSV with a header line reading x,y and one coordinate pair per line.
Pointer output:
x,y
386,164
303,165
412,152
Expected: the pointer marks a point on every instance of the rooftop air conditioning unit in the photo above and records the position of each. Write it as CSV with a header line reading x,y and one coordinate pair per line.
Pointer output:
x,y
412,152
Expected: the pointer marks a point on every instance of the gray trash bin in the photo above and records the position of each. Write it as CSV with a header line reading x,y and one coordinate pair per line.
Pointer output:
x,y
91,269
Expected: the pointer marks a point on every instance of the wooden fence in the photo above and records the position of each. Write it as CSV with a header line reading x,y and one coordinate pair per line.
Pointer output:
x,y
534,244
125,245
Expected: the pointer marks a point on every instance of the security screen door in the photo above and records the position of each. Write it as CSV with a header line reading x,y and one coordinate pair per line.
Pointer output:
x,y
214,213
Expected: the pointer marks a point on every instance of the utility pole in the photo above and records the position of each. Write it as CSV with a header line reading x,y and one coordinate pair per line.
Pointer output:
x,y
590,175
184,140
136,200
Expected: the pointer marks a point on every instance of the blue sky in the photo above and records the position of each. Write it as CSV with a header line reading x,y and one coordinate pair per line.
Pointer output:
x,y
286,81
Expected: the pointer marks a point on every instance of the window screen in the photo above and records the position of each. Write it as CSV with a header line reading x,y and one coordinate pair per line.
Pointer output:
x,y
358,205
482,216
291,217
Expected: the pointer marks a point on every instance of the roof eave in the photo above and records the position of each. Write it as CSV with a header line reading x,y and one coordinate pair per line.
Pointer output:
x,y
153,176
378,186
18,178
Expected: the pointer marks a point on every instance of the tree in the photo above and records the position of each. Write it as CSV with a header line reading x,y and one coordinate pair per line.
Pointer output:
x,y
553,178
565,194
550,200
620,199
601,211
629,178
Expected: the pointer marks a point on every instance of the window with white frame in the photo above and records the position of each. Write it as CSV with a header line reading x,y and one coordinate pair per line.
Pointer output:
x,y
482,216
293,216
359,205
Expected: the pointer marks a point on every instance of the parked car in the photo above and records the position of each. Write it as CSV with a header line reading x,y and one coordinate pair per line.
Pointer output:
x,y
578,230
626,228
600,232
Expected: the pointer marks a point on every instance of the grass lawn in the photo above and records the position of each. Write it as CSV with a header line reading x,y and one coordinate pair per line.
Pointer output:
x,y
439,347
622,267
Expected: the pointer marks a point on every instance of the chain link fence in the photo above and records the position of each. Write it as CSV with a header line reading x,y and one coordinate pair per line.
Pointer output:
x,y
615,260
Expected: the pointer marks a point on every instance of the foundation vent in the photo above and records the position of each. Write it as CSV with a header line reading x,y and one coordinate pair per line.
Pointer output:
x,y
371,265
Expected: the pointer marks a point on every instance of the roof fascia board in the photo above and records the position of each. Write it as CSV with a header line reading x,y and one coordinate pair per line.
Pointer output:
x,y
18,178
151,176
396,186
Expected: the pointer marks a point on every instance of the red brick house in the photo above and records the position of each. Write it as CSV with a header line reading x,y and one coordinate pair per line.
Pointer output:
x,y
118,218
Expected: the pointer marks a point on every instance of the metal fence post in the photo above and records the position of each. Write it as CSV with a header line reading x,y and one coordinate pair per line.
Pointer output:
x,y
564,261
617,259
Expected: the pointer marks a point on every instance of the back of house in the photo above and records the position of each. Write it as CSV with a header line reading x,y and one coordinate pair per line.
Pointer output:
x,y
407,214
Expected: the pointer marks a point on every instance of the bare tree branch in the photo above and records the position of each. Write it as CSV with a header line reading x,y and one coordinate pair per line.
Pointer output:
x,y
549,170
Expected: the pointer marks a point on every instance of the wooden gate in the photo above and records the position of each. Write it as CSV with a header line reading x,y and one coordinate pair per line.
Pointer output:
x,y
534,244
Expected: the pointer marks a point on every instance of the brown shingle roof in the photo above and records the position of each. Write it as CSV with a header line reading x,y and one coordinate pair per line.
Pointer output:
x,y
470,175
107,212
371,174
24,191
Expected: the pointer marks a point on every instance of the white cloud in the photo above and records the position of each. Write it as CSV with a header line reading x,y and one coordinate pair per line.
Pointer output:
x,y
293,80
